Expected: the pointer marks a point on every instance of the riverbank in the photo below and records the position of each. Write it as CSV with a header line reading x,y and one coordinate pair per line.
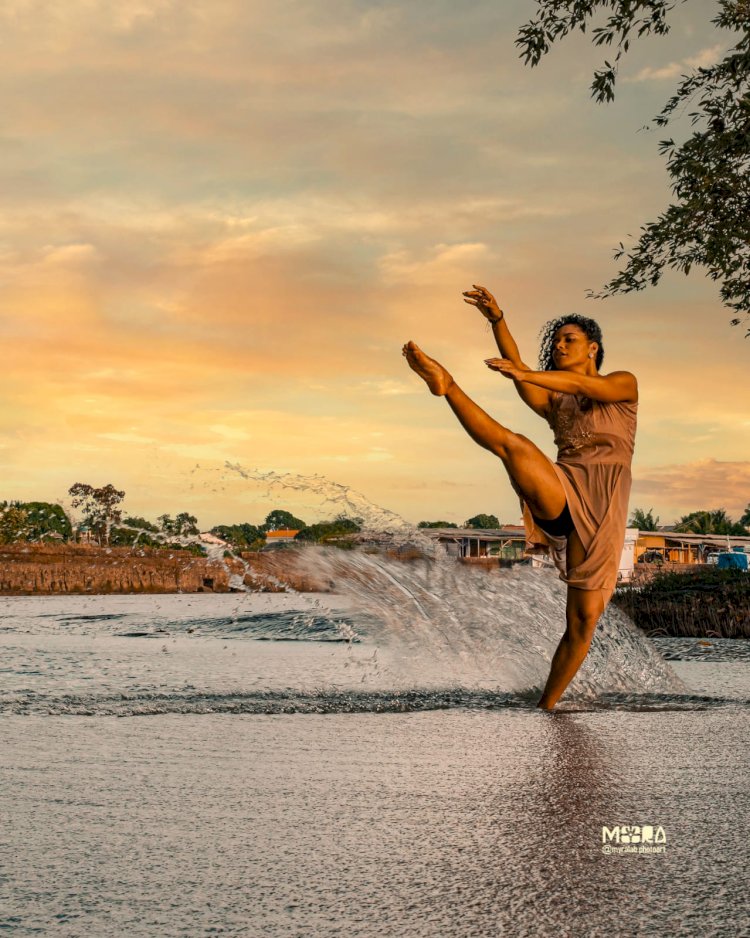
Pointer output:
x,y
700,602
703,602
51,569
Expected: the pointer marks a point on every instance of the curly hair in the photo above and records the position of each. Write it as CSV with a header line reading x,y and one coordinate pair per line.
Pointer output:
x,y
547,338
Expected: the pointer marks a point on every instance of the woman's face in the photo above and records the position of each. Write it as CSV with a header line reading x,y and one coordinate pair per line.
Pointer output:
x,y
571,347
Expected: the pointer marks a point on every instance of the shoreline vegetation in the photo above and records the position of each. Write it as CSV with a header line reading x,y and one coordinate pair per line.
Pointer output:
x,y
44,551
703,602
699,602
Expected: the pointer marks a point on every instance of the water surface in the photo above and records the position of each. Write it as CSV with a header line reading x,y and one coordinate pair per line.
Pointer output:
x,y
304,766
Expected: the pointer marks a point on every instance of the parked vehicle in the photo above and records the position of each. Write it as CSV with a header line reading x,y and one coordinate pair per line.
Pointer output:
x,y
732,560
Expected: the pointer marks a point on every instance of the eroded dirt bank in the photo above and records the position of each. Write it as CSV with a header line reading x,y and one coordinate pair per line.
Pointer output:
x,y
27,569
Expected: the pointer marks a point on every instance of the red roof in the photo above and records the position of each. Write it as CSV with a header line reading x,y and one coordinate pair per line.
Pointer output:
x,y
282,533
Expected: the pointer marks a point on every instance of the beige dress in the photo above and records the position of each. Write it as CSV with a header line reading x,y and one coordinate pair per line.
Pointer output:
x,y
594,451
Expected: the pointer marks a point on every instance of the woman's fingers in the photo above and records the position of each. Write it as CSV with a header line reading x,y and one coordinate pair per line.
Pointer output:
x,y
502,365
484,290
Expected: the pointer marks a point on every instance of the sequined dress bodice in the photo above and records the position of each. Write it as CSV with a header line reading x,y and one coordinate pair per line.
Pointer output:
x,y
592,431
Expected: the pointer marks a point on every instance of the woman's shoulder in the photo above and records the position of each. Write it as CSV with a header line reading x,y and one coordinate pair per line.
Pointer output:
x,y
625,381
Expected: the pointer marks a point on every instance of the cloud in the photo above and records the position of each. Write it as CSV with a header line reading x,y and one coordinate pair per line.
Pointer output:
x,y
378,454
703,59
441,264
127,438
389,388
694,486
220,222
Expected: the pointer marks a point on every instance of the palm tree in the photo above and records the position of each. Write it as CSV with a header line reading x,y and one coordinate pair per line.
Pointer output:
x,y
643,520
709,522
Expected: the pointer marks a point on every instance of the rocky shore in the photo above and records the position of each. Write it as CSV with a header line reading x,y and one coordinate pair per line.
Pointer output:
x,y
43,569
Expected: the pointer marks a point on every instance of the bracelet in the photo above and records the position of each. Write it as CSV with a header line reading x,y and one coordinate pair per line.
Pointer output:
x,y
496,319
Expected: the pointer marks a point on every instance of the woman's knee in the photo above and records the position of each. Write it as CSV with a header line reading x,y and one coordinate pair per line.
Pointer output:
x,y
581,623
510,445
581,633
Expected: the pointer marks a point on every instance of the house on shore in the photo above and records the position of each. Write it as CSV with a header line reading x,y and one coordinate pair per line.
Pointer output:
x,y
675,547
486,544
282,536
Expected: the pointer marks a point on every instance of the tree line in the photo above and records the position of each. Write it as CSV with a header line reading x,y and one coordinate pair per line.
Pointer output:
x,y
714,521
251,536
481,522
103,522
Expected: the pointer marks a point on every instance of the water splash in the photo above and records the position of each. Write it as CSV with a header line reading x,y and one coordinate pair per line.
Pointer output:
x,y
338,497
431,622
442,622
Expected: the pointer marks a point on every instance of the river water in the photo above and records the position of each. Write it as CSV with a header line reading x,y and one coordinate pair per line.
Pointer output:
x,y
365,763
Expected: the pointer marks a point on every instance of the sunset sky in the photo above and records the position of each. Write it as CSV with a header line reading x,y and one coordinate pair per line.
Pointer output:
x,y
222,220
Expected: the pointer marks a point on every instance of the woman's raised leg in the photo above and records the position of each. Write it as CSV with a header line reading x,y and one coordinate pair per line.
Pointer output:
x,y
527,465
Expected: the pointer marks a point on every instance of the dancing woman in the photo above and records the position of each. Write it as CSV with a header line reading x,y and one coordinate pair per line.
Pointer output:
x,y
575,508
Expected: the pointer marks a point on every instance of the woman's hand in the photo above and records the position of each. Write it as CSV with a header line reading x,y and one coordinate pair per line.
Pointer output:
x,y
506,368
484,301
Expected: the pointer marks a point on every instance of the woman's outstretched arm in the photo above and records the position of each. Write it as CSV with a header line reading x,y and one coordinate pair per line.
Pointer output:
x,y
618,386
537,398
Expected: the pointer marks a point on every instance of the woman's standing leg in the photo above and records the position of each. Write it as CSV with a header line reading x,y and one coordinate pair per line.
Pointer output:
x,y
582,612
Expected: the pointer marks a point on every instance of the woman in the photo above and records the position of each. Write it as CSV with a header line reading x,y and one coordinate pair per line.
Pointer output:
x,y
575,508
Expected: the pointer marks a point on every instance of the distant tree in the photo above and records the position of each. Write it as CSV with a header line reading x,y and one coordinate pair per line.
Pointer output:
x,y
709,522
240,536
482,522
98,506
436,524
13,523
183,525
280,520
45,518
133,521
135,531
643,520
41,520
708,223
745,519
325,531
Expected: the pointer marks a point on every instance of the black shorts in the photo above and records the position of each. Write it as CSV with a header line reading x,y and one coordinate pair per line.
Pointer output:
x,y
561,526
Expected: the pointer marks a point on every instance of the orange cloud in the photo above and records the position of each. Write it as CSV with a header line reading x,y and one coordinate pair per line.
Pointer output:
x,y
217,232
686,487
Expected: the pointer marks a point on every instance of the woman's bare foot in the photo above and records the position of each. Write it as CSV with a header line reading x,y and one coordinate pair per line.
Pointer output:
x,y
435,376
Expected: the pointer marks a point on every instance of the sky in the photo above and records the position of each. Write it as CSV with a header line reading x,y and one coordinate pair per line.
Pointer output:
x,y
222,220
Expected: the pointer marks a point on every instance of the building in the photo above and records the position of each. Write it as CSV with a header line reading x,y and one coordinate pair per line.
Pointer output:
x,y
506,543
676,547
284,536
